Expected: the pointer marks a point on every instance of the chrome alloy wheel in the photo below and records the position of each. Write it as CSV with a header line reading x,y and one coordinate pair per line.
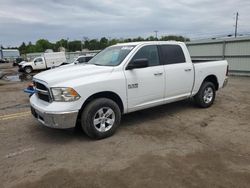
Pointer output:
x,y
208,95
104,119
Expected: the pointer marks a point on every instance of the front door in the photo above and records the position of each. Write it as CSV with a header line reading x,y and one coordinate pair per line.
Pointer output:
x,y
145,86
39,63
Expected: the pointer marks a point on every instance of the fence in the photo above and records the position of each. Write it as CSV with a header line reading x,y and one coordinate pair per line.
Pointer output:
x,y
235,50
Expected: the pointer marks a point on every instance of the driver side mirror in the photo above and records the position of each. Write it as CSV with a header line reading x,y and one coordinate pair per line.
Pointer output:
x,y
137,64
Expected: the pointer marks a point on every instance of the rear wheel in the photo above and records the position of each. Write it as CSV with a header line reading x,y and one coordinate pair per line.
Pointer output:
x,y
100,118
28,70
206,95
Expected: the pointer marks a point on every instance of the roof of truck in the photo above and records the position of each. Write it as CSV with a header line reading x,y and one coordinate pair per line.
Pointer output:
x,y
149,42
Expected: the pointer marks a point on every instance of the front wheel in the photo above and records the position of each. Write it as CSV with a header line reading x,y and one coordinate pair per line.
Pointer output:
x,y
206,95
100,118
28,70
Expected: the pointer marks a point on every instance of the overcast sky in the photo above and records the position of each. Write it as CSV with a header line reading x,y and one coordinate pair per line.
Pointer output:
x,y
30,20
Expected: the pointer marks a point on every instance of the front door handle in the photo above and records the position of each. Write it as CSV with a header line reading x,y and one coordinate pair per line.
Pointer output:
x,y
188,70
158,73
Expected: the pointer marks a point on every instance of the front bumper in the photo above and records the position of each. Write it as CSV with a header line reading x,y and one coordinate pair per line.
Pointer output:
x,y
58,120
20,68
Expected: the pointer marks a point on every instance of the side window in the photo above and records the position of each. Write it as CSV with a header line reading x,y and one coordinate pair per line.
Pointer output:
x,y
81,60
88,58
38,60
172,54
150,53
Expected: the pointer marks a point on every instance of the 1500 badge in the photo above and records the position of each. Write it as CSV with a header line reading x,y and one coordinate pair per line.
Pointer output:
x,y
132,86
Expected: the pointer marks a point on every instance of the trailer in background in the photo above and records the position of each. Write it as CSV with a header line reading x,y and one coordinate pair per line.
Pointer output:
x,y
9,54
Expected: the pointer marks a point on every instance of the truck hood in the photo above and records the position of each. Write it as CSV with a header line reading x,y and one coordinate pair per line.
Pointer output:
x,y
22,62
25,62
62,74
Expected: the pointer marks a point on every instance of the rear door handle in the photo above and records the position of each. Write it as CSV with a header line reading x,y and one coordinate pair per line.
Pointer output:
x,y
158,73
187,70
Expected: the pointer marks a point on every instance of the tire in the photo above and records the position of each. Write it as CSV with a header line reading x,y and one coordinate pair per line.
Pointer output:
x,y
206,95
28,70
100,118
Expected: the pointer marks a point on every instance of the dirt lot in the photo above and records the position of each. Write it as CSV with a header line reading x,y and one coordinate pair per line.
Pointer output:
x,y
175,145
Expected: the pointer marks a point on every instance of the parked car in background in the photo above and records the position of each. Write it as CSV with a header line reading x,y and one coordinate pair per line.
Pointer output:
x,y
121,79
17,61
83,59
46,61
80,59
4,61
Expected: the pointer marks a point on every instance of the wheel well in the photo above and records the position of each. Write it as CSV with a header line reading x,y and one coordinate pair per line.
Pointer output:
x,y
105,94
213,79
28,66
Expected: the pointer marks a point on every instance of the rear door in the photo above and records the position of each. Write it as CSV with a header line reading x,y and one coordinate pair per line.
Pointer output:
x,y
179,72
145,86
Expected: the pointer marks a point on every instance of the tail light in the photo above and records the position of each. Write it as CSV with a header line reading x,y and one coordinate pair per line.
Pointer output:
x,y
227,70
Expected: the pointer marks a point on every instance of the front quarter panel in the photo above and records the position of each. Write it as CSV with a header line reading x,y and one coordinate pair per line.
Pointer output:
x,y
28,64
90,85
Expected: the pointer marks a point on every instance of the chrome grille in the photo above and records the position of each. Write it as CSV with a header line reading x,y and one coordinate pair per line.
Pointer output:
x,y
42,91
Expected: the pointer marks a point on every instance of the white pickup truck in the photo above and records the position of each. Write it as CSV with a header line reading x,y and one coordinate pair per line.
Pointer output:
x,y
46,61
120,79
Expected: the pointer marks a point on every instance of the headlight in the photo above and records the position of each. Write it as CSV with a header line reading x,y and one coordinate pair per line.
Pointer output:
x,y
64,94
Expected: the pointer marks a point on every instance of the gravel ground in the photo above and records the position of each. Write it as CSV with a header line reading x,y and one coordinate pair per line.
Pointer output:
x,y
175,145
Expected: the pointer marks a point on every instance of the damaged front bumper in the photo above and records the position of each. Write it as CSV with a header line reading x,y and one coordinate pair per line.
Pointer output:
x,y
58,120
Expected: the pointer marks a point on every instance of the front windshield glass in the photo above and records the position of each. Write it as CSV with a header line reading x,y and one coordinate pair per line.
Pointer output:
x,y
111,56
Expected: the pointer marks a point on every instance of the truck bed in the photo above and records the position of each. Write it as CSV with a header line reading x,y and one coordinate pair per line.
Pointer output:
x,y
203,68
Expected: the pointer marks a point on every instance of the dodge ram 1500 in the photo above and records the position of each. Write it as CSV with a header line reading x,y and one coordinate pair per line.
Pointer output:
x,y
120,79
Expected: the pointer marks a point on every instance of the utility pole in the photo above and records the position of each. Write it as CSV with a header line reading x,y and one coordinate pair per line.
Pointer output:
x,y
84,41
1,52
68,48
68,44
236,24
82,44
156,34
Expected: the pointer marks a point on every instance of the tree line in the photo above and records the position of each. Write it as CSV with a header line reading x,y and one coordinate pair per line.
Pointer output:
x,y
91,44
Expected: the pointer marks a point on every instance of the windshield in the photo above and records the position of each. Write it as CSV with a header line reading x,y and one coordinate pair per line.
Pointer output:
x,y
111,56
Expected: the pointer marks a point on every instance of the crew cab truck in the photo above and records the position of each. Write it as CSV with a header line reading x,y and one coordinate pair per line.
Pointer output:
x,y
46,61
121,79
